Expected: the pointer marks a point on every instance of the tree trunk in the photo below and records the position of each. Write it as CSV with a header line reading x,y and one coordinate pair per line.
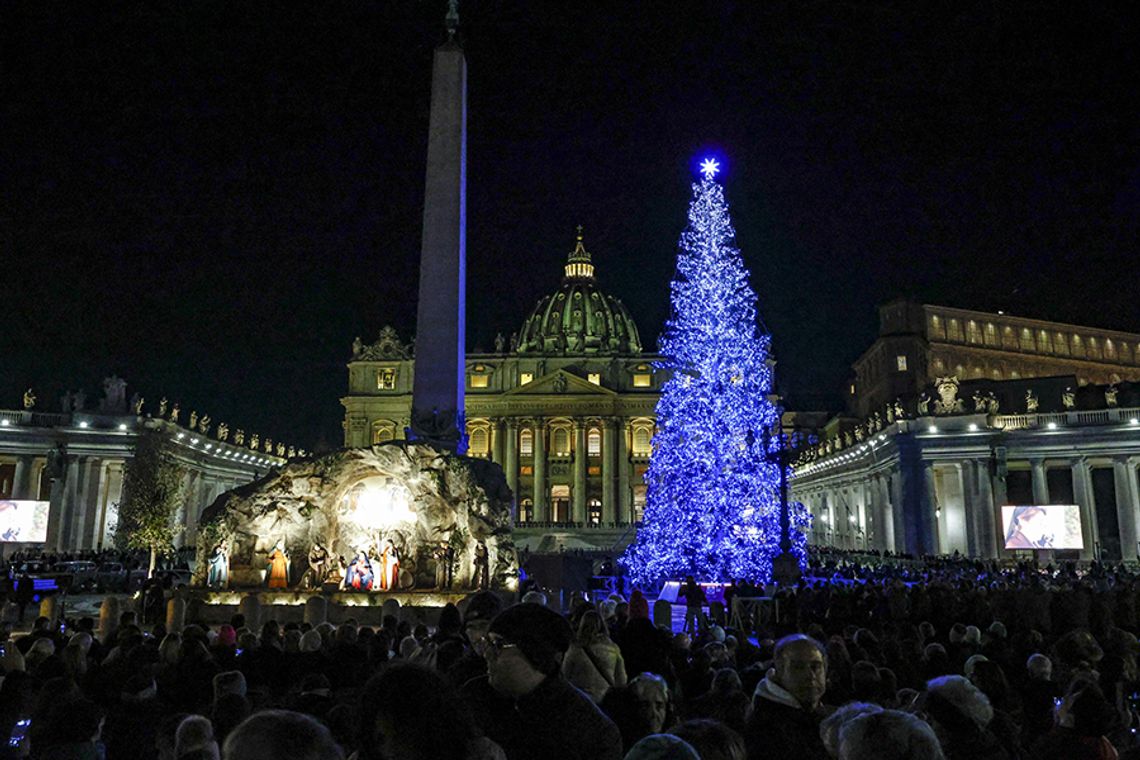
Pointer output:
x,y
153,558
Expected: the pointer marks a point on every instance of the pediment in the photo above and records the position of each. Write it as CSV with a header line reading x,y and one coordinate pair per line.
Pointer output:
x,y
560,383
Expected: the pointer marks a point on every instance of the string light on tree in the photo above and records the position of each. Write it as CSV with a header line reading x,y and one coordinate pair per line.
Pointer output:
x,y
713,485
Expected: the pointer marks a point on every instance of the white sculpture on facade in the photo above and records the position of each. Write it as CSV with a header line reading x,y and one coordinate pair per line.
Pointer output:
x,y
948,401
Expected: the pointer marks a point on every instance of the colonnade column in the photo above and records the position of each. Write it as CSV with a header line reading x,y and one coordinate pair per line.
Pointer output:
x,y
987,533
867,522
512,458
887,524
111,495
20,480
1040,482
608,506
1133,488
625,513
1082,494
541,510
1126,507
884,526
928,541
94,477
69,504
579,495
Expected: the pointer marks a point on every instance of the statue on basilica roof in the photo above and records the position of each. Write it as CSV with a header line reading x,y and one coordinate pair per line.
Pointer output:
x,y
387,346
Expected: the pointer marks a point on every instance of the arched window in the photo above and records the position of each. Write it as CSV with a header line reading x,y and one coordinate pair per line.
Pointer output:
x,y
383,431
594,511
594,442
560,443
526,443
526,510
641,440
478,444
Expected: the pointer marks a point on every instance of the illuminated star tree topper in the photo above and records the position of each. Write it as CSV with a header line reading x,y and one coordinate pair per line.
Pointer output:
x,y
713,490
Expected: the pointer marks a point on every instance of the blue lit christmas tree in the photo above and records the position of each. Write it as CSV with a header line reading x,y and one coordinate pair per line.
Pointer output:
x,y
713,485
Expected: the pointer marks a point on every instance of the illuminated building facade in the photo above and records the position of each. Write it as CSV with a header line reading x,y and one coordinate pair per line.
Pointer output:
x,y
75,462
919,343
954,414
566,407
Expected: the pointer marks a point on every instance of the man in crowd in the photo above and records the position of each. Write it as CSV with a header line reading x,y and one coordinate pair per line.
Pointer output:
x,y
524,704
786,706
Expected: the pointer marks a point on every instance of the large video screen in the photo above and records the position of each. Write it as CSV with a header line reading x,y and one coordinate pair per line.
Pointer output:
x,y
1049,526
24,521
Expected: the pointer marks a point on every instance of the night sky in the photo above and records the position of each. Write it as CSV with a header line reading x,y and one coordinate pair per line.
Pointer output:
x,y
211,199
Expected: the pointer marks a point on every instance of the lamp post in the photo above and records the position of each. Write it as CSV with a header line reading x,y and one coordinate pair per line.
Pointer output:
x,y
785,565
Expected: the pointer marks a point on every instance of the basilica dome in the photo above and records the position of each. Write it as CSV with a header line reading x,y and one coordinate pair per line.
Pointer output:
x,y
578,318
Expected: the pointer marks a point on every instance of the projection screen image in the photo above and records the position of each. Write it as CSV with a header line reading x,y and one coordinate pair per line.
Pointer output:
x,y
23,521
1049,526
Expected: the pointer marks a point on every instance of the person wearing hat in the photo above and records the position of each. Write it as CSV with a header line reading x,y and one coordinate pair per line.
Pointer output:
x,y
480,610
524,704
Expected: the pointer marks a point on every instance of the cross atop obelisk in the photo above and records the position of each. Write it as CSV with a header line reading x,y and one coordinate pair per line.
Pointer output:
x,y
437,394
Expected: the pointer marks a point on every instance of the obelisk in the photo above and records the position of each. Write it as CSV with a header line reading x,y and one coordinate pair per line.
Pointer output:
x,y
437,393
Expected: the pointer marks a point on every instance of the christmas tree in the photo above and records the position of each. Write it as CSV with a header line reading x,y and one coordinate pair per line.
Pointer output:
x,y
713,485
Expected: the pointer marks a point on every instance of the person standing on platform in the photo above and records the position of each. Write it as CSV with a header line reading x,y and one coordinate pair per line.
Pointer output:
x,y
695,601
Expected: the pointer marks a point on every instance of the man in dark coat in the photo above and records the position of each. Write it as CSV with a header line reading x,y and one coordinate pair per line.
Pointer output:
x,y
525,705
786,706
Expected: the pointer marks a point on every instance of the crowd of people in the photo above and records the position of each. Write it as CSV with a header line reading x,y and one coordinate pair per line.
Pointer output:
x,y
869,657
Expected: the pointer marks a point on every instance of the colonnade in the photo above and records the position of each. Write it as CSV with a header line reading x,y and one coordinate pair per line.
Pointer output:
x,y
942,505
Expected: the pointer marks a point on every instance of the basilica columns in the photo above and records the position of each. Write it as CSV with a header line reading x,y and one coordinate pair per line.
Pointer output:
x,y
497,441
579,494
608,506
541,509
625,496
512,457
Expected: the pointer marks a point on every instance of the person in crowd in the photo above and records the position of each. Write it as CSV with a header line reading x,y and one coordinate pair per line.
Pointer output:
x,y
712,739
786,706
195,734
726,702
652,695
1083,721
524,704
888,735
593,663
662,747
960,715
830,727
281,735
411,712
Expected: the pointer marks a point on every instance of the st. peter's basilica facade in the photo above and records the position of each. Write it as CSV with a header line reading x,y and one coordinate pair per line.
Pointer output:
x,y
565,406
